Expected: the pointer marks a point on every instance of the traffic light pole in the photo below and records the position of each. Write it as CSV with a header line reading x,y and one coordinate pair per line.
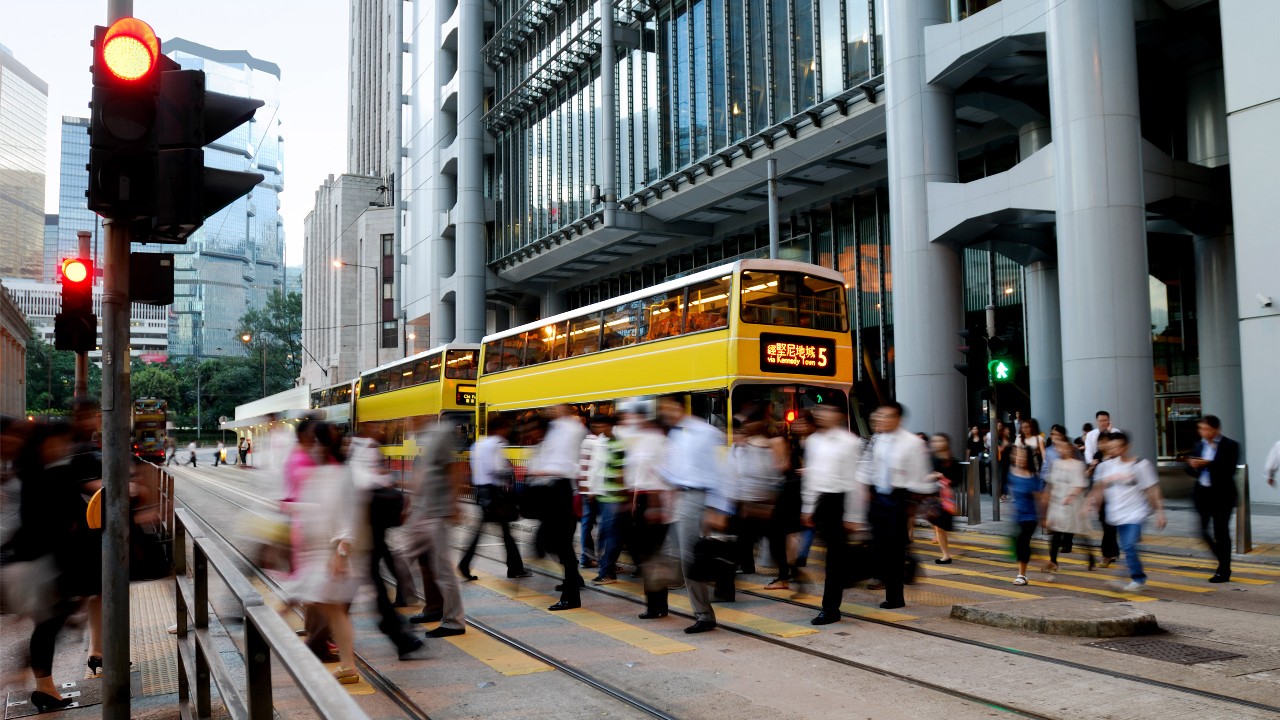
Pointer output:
x,y
993,417
82,358
116,409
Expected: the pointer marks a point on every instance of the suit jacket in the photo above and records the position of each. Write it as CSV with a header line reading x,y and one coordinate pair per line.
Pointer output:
x,y
1222,471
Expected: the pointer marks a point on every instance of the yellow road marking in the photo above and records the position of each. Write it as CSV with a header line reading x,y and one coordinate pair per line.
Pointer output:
x,y
953,570
1074,573
499,656
851,608
981,589
272,600
614,628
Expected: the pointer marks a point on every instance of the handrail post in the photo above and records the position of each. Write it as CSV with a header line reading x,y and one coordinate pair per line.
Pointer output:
x,y
972,482
1244,514
257,655
180,571
200,573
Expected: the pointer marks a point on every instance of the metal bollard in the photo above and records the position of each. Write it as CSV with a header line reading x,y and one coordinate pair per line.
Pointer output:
x,y
1244,513
972,483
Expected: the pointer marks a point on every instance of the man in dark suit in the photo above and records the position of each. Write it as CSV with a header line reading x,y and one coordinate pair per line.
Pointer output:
x,y
1214,467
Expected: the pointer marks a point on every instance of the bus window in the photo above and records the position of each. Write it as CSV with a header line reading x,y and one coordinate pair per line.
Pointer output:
x,y
708,305
794,300
555,338
535,350
584,335
433,368
419,372
342,395
620,327
396,377
461,364
822,305
666,316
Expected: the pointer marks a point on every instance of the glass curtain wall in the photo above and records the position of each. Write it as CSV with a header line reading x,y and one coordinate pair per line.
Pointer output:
x,y
705,75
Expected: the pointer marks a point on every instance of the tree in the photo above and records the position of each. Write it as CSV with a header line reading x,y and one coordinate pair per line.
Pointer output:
x,y
51,377
275,330
155,380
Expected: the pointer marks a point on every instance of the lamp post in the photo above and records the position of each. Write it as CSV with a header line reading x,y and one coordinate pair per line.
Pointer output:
x,y
247,338
338,264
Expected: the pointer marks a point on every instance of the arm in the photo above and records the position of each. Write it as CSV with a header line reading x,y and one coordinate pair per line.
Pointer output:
x,y
1273,464
1225,461
1157,502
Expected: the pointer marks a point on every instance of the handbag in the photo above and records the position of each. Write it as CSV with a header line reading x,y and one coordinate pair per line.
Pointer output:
x,y
496,504
713,558
934,511
386,507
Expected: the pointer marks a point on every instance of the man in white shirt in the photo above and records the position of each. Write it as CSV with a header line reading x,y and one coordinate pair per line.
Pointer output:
x,y
191,448
554,471
652,499
1131,490
830,500
490,474
1109,547
898,466
1102,426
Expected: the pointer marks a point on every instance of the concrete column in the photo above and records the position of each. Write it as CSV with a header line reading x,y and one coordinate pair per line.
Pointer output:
x,y
1044,341
442,196
1032,137
1102,245
1219,333
927,299
472,234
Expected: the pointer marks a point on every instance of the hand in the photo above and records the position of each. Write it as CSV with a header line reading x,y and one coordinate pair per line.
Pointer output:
x,y
1160,520
1197,463
806,519
338,565
1271,481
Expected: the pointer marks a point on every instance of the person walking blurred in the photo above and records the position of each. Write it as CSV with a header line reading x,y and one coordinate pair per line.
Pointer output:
x,y
220,454
1029,438
947,474
757,463
613,501
553,469
1127,486
491,476
1025,487
652,500
694,467
1065,513
830,499
1214,468
191,448
1094,456
798,434
898,462
432,512
1272,466
324,519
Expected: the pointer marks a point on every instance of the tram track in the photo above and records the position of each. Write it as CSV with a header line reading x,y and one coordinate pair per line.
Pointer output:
x,y
390,688
848,662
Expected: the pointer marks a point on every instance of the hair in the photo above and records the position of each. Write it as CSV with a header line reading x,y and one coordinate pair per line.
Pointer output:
x,y
675,397
1118,437
1100,413
895,406
1212,421
1061,430
330,438
605,419
305,425
1020,452
1087,428
944,436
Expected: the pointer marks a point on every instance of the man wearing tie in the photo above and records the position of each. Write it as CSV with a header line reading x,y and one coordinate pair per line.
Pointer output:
x,y
1214,467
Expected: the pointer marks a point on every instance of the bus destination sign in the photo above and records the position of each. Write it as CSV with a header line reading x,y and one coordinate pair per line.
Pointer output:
x,y
466,395
797,355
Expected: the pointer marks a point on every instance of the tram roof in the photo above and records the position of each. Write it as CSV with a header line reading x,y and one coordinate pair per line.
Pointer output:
x,y
425,353
677,283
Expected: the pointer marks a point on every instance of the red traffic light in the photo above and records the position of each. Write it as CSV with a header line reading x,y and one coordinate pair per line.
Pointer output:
x,y
75,270
130,49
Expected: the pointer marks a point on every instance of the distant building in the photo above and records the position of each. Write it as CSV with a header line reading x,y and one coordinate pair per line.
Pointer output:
x,y
293,279
14,335
373,95
236,260
24,107
73,207
50,247
41,301
348,314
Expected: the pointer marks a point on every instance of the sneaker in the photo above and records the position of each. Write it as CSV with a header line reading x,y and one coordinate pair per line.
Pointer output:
x,y
603,581
1136,586
1020,580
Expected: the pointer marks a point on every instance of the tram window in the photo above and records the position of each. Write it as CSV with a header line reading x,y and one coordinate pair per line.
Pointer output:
x,y
461,364
584,335
419,372
396,377
824,303
666,315
535,350
620,327
433,368
708,305
342,395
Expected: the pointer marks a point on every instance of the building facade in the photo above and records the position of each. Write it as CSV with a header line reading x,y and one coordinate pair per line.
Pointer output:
x,y
50,247
24,108
1067,162
74,214
373,92
41,301
236,260
14,334
349,311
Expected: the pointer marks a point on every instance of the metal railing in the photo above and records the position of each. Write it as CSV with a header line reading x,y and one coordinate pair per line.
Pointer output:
x,y
265,634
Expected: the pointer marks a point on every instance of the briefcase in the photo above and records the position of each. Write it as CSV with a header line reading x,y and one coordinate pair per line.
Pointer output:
x,y
713,558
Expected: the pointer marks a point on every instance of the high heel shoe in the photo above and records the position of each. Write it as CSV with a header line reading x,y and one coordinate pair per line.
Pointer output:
x,y
95,664
44,701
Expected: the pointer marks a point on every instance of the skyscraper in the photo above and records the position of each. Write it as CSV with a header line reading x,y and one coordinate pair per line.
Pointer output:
x,y
74,214
24,107
236,260
373,93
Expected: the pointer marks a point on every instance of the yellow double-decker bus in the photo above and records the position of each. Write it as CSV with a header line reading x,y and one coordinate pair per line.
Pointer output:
x,y
770,332
439,384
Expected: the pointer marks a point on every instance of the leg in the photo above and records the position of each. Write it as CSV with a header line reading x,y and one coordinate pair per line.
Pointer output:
x,y
887,525
1110,548
943,543
390,622
691,504
802,547
316,624
404,579
339,622
1204,509
464,566
1129,536
1222,534
829,518
559,527
44,636
610,540
777,533
1026,530
446,581
1054,542
433,599
590,513
515,563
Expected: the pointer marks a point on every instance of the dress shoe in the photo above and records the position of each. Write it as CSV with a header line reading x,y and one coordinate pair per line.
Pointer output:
x,y
1220,578
466,575
886,605
426,617
565,605
44,701
520,574
588,564
442,632
941,561
701,626
408,646
723,598
653,614
825,618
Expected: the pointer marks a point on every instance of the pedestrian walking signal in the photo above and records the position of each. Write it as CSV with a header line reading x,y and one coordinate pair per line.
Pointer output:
x,y
1000,371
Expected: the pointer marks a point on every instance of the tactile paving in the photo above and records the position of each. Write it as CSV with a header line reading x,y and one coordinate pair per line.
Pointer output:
x,y
152,609
83,693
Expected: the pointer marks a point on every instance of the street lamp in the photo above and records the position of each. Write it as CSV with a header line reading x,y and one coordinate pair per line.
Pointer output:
x,y
247,338
339,264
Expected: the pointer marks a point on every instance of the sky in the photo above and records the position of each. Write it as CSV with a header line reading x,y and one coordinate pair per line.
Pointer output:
x,y
306,38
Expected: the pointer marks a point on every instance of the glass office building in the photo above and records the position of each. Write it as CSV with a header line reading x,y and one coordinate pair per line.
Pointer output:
x,y
236,260
24,104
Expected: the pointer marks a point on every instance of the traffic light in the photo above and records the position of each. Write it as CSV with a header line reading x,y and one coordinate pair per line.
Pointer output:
x,y
188,118
1000,371
1000,368
965,349
76,327
122,124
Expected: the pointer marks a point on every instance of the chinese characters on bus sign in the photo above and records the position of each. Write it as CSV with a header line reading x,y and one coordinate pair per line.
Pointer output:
x,y
466,395
797,355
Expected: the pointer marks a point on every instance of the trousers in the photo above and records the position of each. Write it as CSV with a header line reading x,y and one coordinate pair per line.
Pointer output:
x,y
1215,526
429,544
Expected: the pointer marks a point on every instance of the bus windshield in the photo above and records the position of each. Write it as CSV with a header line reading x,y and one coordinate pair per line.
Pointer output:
x,y
793,299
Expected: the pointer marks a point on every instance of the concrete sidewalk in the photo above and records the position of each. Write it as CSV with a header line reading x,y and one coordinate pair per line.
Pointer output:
x,y
1181,535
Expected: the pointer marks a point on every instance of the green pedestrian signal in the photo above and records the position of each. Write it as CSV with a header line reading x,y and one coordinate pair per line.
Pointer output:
x,y
1000,371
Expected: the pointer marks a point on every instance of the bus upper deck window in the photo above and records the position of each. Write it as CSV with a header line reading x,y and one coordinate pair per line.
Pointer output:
x,y
461,364
708,305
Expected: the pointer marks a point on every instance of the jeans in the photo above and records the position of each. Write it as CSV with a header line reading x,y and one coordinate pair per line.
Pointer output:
x,y
590,516
614,519
805,542
1129,536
